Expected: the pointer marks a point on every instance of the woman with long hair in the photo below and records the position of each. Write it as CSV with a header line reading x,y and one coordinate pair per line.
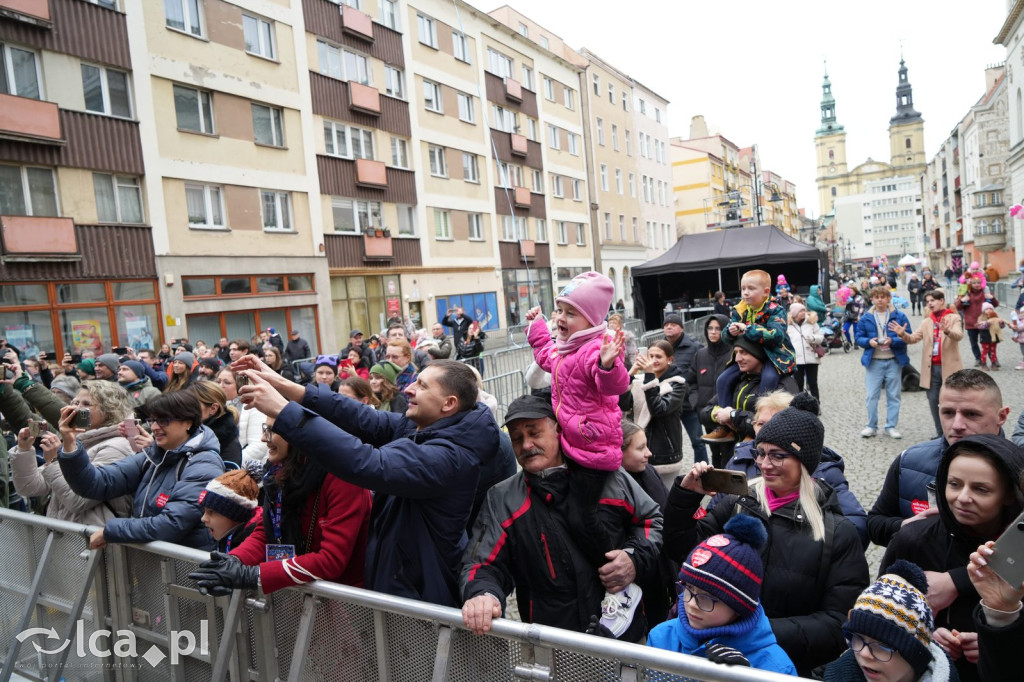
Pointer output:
x,y
250,422
658,396
314,527
359,389
272,356
220,417
471,347
382,381
180,372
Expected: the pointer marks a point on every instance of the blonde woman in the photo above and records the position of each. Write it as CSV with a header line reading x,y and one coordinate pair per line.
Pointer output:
x,y
814,561
220,417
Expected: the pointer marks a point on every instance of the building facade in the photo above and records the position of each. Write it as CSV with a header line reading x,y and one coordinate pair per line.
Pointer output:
x,y
1010,35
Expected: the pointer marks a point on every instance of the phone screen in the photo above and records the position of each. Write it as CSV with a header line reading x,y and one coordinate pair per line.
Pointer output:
x,y
131,428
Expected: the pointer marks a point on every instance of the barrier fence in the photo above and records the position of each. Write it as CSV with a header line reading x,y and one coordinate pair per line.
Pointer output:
x,y
129,612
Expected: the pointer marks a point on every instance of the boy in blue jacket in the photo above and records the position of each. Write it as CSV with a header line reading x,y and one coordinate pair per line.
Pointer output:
x,y
885,356
720,614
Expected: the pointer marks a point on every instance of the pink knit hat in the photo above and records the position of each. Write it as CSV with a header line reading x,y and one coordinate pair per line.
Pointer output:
x,y
591,293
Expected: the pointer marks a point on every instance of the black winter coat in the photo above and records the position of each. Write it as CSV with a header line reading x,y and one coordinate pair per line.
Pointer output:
x,y
685,348
226,430
665,401
808,586
659,585
707,364
999,648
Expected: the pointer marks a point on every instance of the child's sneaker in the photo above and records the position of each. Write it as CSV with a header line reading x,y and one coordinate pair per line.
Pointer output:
x,y
617,609
1020,366
722,434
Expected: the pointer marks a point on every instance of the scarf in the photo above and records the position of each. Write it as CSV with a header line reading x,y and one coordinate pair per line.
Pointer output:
x,y
638,389
739,627
778,502
577,340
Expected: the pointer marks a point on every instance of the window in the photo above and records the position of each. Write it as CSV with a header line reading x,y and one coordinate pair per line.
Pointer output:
x,y
184,15
205,206
544,42
476,229
27,191
343,64
556,186
527,77
514,229
563,235
470,167
399,153
395,81
615,137
406,219
608,226
523,31
553,136
194,109
622,227
499,64
118,198
597,85
106,91
657,114
549,89
600,132
532,129
277,211
568,98
604,177
442,224
438,163
432,97
505,120
611,93
574,144
618,180
389,14
348,142
632,185
466,108
428,30
542,230
581,235
267,125
538,180
354,216
625,101
19,75
460,46
577,190
259,37
509,175
629,150
636,231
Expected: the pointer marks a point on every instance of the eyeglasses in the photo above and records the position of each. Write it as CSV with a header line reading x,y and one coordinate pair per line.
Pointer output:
x,y
776,458
705,602
163,422
267,429
881,652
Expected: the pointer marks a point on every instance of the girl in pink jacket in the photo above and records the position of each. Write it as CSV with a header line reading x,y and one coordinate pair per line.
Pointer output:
x,y
587,371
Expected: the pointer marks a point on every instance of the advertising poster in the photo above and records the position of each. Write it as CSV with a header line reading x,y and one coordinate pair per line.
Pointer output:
x,y
137,329
87,335
22,337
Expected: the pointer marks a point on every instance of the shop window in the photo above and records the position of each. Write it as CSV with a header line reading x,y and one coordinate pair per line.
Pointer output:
x,y
246,323
136,326
31,331
85,329
141,290
300,283
23,294
211,287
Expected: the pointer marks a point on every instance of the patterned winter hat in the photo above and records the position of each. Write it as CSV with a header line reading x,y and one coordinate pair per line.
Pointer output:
x,y
894,610
728,565
232,494
797,430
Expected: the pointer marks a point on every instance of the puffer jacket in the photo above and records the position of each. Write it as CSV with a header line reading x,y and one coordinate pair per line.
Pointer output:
x,y
808,586
585,398
424,483
708,362
166,485
664,400
103,446
804,338
250,434
814,301
940,543
867,329
522,541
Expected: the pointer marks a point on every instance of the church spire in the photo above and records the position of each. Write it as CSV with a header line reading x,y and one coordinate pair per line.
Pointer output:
x,y
829,126
905,112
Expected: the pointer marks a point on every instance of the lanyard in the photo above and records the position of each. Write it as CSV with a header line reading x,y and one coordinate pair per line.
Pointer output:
x,y
227,546
275,517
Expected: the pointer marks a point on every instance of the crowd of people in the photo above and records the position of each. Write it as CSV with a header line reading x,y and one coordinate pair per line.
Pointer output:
x,y
384,466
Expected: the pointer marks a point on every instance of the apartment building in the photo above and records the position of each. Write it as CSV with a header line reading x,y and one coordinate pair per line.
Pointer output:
x,y
77,270
883,220
654,170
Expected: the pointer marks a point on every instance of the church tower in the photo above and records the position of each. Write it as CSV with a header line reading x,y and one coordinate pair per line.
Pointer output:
x,y
906,130
830,146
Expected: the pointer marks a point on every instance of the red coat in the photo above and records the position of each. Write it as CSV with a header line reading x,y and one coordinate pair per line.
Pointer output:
x,y
339,541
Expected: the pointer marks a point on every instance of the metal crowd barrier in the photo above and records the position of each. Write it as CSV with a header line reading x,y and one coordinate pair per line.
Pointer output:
x,y
505,388
129,612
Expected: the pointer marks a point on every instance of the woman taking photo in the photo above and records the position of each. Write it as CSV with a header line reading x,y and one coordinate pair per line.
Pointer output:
x,y
471,347
382,381
314,528
220,419
657,396
359,389
166,474
354,365
108,406
814,561
250,422
180,374
978,495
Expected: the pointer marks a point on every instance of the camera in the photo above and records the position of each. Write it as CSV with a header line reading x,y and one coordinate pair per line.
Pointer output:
x,y
52,355
82,419
76,358
36,427
120,350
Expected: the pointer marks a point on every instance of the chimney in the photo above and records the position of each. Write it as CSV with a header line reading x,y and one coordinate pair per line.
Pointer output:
x,y
698,128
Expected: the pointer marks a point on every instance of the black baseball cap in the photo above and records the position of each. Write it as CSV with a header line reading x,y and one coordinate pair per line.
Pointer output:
x,y
529,407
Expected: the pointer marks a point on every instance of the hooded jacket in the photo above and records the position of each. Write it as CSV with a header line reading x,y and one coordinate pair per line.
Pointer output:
x,y
904,491
707,364
941,543
166,485
684,350
804,338
424,484
814,301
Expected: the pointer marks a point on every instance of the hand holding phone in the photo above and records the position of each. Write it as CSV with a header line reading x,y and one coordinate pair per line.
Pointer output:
x,y
36,427
724,481
82,418
120,350
130,428
1007,558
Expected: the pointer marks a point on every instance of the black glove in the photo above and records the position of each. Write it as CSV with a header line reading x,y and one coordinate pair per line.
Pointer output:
x,y
719,653
224,573
597,629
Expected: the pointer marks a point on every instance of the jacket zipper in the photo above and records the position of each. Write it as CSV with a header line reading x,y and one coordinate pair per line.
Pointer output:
x,y
554,384
547,555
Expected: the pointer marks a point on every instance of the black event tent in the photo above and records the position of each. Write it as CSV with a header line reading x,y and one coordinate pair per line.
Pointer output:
x,y
700,264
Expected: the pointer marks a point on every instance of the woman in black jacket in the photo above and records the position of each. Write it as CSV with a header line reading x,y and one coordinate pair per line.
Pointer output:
x,y
701,375
978,496
657,399
220,417
471,347
998,619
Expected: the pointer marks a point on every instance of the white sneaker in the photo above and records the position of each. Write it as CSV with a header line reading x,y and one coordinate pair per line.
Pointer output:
x,y
1020,366
617,609
868,432
894,434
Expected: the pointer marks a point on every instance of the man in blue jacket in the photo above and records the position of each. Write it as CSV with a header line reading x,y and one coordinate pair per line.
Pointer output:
x,y
423,466
885,355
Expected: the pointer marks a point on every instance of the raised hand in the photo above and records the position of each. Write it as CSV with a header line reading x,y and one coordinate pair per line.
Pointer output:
x,y
260,395
532,313
611,348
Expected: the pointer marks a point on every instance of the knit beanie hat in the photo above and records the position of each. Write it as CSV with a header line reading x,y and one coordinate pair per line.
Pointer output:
x,y
590,293
66,384
88,366
109,360
781,279
755,349
386,369
232,494
137,367
795,308
986,306
894,610
728,565
797,430
211,363
185,357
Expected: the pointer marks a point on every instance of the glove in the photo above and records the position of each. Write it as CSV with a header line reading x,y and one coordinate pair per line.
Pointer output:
x,y
719,653
224,573
597,629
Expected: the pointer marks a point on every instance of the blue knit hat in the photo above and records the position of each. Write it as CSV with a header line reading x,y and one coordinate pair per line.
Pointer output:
x,y
137,367
728,565
226,495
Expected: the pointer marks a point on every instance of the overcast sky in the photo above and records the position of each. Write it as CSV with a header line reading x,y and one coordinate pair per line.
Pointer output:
x,y
754,69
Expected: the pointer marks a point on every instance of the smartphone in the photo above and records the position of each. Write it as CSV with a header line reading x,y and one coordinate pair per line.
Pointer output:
x,y
52,355
36,427
725,481
241,380
3,371
131,428
345,363
82,419
76,358
1007,558
120,350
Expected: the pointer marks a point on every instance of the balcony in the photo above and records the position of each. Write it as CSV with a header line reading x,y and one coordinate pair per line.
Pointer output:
x,y
989,236
377,247
371,173
39,238
522,197
363,98
513,90
527,250
35,12
359,251
29,120
520,145
356,23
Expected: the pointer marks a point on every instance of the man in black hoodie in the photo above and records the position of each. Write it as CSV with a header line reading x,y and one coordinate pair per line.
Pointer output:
x,y
703,371
685,349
